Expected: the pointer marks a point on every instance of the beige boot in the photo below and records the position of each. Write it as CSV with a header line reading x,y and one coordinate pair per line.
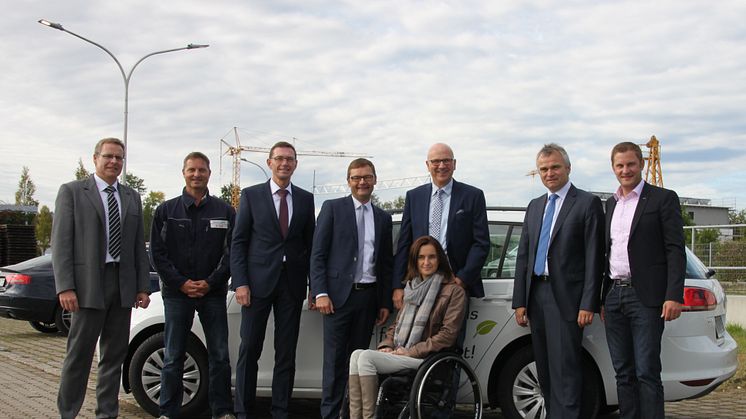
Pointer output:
x,y
355,395
369,388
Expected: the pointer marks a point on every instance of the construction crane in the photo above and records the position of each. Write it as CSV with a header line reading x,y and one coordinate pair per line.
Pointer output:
x,y
406,182
235,153
654,175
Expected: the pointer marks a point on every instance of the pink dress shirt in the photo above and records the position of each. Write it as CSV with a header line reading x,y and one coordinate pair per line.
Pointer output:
x,y
621,225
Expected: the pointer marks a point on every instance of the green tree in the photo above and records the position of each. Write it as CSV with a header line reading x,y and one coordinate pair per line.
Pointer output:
x,y
149,204
737,217
26,190
225,193
81,172
395,204
135,182
44,228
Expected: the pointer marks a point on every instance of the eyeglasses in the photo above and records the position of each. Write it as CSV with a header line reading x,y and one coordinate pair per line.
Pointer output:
x,y
444,162
110,157
280,159
367,178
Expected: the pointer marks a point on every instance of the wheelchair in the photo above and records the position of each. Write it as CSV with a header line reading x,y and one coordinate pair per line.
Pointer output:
x,y
444,386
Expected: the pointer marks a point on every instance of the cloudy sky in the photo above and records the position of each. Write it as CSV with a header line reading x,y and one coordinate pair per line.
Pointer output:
x,y
494,79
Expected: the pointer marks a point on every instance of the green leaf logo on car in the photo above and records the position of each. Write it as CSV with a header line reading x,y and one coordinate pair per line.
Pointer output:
x,y
485,327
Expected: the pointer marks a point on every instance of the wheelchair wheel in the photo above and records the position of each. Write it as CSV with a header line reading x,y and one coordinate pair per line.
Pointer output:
x,y
445,387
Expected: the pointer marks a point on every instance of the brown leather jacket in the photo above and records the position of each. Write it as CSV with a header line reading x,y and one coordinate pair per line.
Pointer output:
x,y
444,325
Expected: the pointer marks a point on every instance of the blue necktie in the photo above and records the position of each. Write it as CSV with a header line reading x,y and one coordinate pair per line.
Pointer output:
x,y
546,229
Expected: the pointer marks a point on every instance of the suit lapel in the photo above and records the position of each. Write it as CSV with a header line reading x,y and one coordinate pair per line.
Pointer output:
x,y
454,206
348,207
378,221
567,205
610,205
422,216
93,195
126,201
540,204
640,207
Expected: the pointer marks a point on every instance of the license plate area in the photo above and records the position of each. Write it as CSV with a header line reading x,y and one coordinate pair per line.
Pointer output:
x,y
719,327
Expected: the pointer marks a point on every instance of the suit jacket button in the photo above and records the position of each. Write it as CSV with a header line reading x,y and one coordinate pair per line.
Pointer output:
x,y
354,259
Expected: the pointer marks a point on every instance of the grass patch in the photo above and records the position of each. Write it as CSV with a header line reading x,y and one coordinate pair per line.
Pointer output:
x,y
738,381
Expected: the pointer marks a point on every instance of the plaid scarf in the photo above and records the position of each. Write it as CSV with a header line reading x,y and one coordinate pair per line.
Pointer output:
x,y
419,299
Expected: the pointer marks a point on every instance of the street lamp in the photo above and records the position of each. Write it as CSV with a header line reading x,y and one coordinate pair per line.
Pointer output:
x,y
126,76
257,165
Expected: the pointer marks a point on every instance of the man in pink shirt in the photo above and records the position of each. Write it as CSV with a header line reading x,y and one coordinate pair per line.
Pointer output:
x,y
644,281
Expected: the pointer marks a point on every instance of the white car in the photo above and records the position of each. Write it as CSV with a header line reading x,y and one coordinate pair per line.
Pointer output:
x,y
698,354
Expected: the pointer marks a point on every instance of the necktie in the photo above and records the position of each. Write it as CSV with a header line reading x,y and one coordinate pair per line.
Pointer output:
x,y
435,220
546,230
360,243
115,227
283,212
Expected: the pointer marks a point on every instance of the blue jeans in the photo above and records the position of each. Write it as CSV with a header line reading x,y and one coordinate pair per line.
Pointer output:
x,y
179,312
633,333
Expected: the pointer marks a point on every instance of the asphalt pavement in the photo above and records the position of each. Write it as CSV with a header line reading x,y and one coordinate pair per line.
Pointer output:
x,y
30,364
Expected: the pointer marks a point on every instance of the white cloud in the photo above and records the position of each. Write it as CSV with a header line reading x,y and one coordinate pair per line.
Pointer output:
x,y
494,79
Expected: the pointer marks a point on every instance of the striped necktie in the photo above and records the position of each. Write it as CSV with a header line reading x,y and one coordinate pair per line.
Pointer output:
x,y
115,225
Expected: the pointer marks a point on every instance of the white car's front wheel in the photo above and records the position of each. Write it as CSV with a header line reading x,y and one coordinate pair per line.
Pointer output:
x,y
145,375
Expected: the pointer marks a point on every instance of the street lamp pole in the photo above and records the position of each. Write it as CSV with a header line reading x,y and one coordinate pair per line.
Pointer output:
x,y
125,76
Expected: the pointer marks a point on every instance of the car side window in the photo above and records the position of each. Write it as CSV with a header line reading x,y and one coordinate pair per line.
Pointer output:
x,y
508,266
498,235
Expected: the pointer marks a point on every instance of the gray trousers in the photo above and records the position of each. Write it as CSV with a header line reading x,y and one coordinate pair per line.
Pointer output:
x,y
372,362
111,324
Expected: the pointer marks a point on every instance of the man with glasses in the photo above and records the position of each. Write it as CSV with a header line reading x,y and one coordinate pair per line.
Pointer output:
x,y
351,267
189,244
269,263
452,212
100,272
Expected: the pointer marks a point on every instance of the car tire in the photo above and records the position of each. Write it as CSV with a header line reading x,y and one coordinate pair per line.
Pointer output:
x,y
62,319
520,396
145,375
44,327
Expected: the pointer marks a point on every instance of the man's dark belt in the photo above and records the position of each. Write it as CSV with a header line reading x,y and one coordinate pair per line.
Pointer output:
x,y
112,264
540,277
358,286
622,282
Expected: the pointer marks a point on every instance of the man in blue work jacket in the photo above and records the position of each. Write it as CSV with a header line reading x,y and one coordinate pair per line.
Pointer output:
x,y
189,247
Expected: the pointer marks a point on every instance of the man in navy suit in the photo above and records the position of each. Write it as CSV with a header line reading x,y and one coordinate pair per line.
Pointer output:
x,y
557,284
351,265
454,213
644,281
269,262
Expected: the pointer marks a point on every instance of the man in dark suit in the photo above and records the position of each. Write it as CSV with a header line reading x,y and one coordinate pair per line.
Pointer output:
x,y
269,262
351,265
101,272
558,274
644,281
454,213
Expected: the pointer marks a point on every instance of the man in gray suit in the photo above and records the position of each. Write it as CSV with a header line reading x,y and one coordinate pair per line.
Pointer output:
x,y
558,279
101,272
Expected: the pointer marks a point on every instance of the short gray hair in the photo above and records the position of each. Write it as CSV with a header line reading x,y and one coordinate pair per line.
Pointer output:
x,y
554,148
110,140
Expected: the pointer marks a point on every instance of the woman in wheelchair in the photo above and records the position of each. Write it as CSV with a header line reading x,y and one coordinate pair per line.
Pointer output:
x,y
429,321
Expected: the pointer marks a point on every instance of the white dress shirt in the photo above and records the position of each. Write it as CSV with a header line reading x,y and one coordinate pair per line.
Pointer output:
x,y
101,185
369,274
561,195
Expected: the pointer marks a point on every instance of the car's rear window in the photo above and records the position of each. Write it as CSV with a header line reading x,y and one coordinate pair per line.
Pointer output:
x,y
695,269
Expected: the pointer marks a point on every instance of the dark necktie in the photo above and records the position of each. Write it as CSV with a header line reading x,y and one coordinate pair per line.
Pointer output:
x,y
546,230
283,212
360,244
115,227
